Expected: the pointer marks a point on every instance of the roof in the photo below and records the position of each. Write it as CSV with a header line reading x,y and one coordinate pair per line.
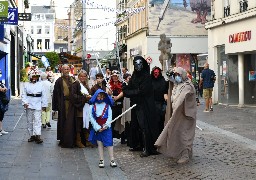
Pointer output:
x,y
42,9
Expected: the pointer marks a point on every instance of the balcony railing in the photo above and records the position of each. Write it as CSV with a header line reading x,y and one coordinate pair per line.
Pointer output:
x,y
243,5
227,11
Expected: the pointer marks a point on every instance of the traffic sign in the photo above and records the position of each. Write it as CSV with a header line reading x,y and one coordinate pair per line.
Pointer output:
x,y
12,16
88,56
24,16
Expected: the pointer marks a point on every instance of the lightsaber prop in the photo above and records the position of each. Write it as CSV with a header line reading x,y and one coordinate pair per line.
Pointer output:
x,y
119,116
199,128
98,64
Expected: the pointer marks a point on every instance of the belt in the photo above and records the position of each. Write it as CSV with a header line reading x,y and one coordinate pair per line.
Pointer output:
x,y
34,95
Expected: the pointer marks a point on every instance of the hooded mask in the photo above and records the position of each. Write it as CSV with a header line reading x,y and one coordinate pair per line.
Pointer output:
x,y
140,64
156,72
107,99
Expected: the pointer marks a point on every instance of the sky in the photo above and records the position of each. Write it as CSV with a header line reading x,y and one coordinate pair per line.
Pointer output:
x,y
97,38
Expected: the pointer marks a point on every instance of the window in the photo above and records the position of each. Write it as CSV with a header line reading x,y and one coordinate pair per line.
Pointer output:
x,y
61,49
47,29
39,43
39,29
32,29
47,44
60,38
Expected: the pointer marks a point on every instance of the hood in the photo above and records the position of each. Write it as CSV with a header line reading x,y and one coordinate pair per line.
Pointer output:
x,y
145,64
107,100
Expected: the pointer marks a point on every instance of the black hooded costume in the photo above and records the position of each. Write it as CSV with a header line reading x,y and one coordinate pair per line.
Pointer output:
x,y
140,91
160,87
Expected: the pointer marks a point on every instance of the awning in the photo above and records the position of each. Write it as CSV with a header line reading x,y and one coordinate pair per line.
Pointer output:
x,y
35,58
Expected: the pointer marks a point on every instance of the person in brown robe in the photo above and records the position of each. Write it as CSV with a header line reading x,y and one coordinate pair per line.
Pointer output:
x,y
176,140
60,103
80,95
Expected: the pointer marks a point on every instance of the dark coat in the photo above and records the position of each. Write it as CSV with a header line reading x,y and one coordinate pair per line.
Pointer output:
x,y
65,126
77,101
140,90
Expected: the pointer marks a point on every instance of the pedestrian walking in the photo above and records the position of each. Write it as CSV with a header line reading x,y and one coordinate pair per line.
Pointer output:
x,y
140,91
79,109
99,84
46,115
160,87
176,139
4,101
92,74
60,103
100,117
207,81
34,100
115,85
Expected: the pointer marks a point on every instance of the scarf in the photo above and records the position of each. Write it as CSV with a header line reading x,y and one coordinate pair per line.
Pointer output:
x,y
86,111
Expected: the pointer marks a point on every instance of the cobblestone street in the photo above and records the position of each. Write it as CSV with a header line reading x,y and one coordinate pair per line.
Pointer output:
x,y
224,149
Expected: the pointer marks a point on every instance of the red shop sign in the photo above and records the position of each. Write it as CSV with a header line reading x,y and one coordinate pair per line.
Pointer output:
x,y
240,37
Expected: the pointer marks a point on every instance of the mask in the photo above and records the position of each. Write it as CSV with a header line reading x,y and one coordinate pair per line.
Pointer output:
x,y
100,101
178,79
156,73
138,65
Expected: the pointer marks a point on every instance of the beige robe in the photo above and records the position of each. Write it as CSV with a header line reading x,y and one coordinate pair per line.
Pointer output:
x,y
120,124
179,132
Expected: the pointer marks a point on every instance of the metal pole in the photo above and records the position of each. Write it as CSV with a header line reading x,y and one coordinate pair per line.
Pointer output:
x,y
84,34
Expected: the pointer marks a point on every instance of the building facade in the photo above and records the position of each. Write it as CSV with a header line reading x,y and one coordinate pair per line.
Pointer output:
x,y
61,35
11,52
232,51
42,29
151,18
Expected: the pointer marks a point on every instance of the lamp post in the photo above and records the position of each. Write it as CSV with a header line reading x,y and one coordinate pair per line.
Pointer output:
x,y
84,34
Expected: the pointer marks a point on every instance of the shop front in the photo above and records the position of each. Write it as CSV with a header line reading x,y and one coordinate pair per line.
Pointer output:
x,y
233,58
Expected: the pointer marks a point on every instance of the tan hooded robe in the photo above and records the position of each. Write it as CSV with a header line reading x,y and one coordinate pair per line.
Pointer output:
x,y
179,132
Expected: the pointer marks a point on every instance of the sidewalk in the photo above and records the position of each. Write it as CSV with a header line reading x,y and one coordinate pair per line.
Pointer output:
x,y
224,149
22,160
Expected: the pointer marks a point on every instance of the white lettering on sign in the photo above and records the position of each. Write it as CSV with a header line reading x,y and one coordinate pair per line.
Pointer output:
x,y
11,16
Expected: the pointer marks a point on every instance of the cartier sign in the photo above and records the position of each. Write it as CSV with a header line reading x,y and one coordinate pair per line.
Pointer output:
x,y
240,37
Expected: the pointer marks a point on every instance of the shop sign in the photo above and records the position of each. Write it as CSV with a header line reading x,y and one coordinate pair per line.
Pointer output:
x,y
240,37
4,9
12,16
135,51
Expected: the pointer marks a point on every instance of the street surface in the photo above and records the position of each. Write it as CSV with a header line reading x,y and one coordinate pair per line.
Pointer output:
x,y
224,149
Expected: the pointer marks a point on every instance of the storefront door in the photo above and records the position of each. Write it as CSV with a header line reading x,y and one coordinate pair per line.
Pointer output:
x,y
228,77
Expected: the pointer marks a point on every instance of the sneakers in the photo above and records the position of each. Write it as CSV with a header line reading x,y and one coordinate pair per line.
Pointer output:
x,y
3,132
211,108
0,134
206,110
44,126
101,164
113,163
48,124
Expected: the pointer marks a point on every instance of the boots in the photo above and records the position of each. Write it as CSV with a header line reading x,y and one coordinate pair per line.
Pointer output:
x,y
32,139
38,140
145,152
78,141
88,143
184,157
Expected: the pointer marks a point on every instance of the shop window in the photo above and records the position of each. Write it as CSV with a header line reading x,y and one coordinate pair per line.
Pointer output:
x,y
39,29
228,77
250,79
47,44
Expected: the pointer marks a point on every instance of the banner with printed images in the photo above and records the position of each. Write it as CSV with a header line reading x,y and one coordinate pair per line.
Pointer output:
x,y
178,17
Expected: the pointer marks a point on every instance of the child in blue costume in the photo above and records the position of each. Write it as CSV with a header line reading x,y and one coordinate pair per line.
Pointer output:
x,y
100,116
